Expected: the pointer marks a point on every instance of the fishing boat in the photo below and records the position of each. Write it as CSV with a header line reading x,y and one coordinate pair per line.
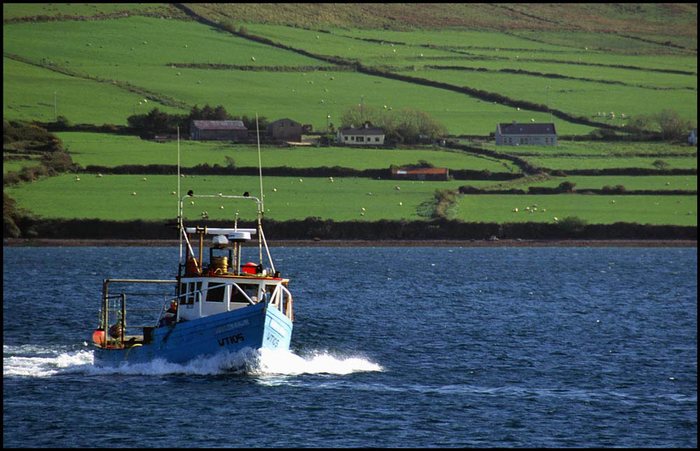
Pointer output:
x,y
219,304
216,303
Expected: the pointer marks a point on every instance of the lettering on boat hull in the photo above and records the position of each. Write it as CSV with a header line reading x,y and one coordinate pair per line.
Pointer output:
x,y
233,339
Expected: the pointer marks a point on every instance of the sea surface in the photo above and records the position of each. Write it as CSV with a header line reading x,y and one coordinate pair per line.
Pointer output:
x,y
392,347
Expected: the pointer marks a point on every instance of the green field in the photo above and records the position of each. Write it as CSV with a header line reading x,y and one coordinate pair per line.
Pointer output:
x,y
34,93
564,163
16,165
148,48
144,57
619,149
108,150
649,182
578,98
111,197
675,210
20,10
100,63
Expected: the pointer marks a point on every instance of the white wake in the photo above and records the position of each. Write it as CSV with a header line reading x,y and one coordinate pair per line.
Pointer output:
x,y
35,361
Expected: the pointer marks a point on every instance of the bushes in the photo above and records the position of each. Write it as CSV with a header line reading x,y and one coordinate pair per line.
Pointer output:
x,y
25,137
667,123
316,228
157,122
444,200
406,126
9,217
16,222
617,189
30,138
572,225
564,187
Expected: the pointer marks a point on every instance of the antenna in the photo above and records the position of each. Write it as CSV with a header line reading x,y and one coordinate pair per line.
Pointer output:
x,y
179,200
262,202
178,169
262,199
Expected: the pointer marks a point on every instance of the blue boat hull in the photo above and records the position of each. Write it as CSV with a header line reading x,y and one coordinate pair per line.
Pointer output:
x,y
253,327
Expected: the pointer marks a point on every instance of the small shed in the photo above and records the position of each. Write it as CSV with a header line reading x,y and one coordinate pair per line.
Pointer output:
x,y
285,130
533,134
362,136
218,130
440,174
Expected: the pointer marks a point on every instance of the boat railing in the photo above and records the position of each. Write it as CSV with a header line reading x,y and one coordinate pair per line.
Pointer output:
x,y
118,331
281,298
198,295
113,312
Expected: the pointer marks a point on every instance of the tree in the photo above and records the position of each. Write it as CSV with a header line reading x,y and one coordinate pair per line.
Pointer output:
x,y
406,125
672,126
660,164
566,187
573,224
668,122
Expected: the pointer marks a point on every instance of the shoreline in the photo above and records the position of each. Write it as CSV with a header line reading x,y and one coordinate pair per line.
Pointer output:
x,y
47,242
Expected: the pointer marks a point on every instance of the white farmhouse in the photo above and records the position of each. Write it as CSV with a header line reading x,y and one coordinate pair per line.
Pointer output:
x,y
515,134
363,136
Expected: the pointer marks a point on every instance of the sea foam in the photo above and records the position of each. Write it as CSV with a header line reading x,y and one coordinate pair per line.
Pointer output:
x,y
33,361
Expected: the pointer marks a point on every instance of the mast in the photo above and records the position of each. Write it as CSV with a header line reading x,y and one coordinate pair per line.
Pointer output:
x,y
179,200
261,208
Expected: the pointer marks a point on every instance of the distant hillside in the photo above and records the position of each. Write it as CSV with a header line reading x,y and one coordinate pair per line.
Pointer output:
x,y
633,18
664,20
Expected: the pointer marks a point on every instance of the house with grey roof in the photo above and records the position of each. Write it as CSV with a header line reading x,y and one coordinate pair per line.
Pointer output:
x,y
534,134
362,136
218,130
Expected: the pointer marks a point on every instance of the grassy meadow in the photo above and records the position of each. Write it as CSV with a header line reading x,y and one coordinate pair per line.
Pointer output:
x,y
94,64
620,149
148,54
144,56
564,163
111,197
575,97
631,183
107,150
656,210
34,93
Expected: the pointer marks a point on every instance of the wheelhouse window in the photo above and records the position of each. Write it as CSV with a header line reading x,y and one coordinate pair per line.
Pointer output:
x,y
216,294
189,291
248,288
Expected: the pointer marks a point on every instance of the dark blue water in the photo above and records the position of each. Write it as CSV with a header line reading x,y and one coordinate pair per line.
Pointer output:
x,y
413,347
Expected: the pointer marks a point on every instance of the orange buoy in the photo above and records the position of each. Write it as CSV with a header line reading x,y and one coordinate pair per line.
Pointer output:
x,y
98,337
